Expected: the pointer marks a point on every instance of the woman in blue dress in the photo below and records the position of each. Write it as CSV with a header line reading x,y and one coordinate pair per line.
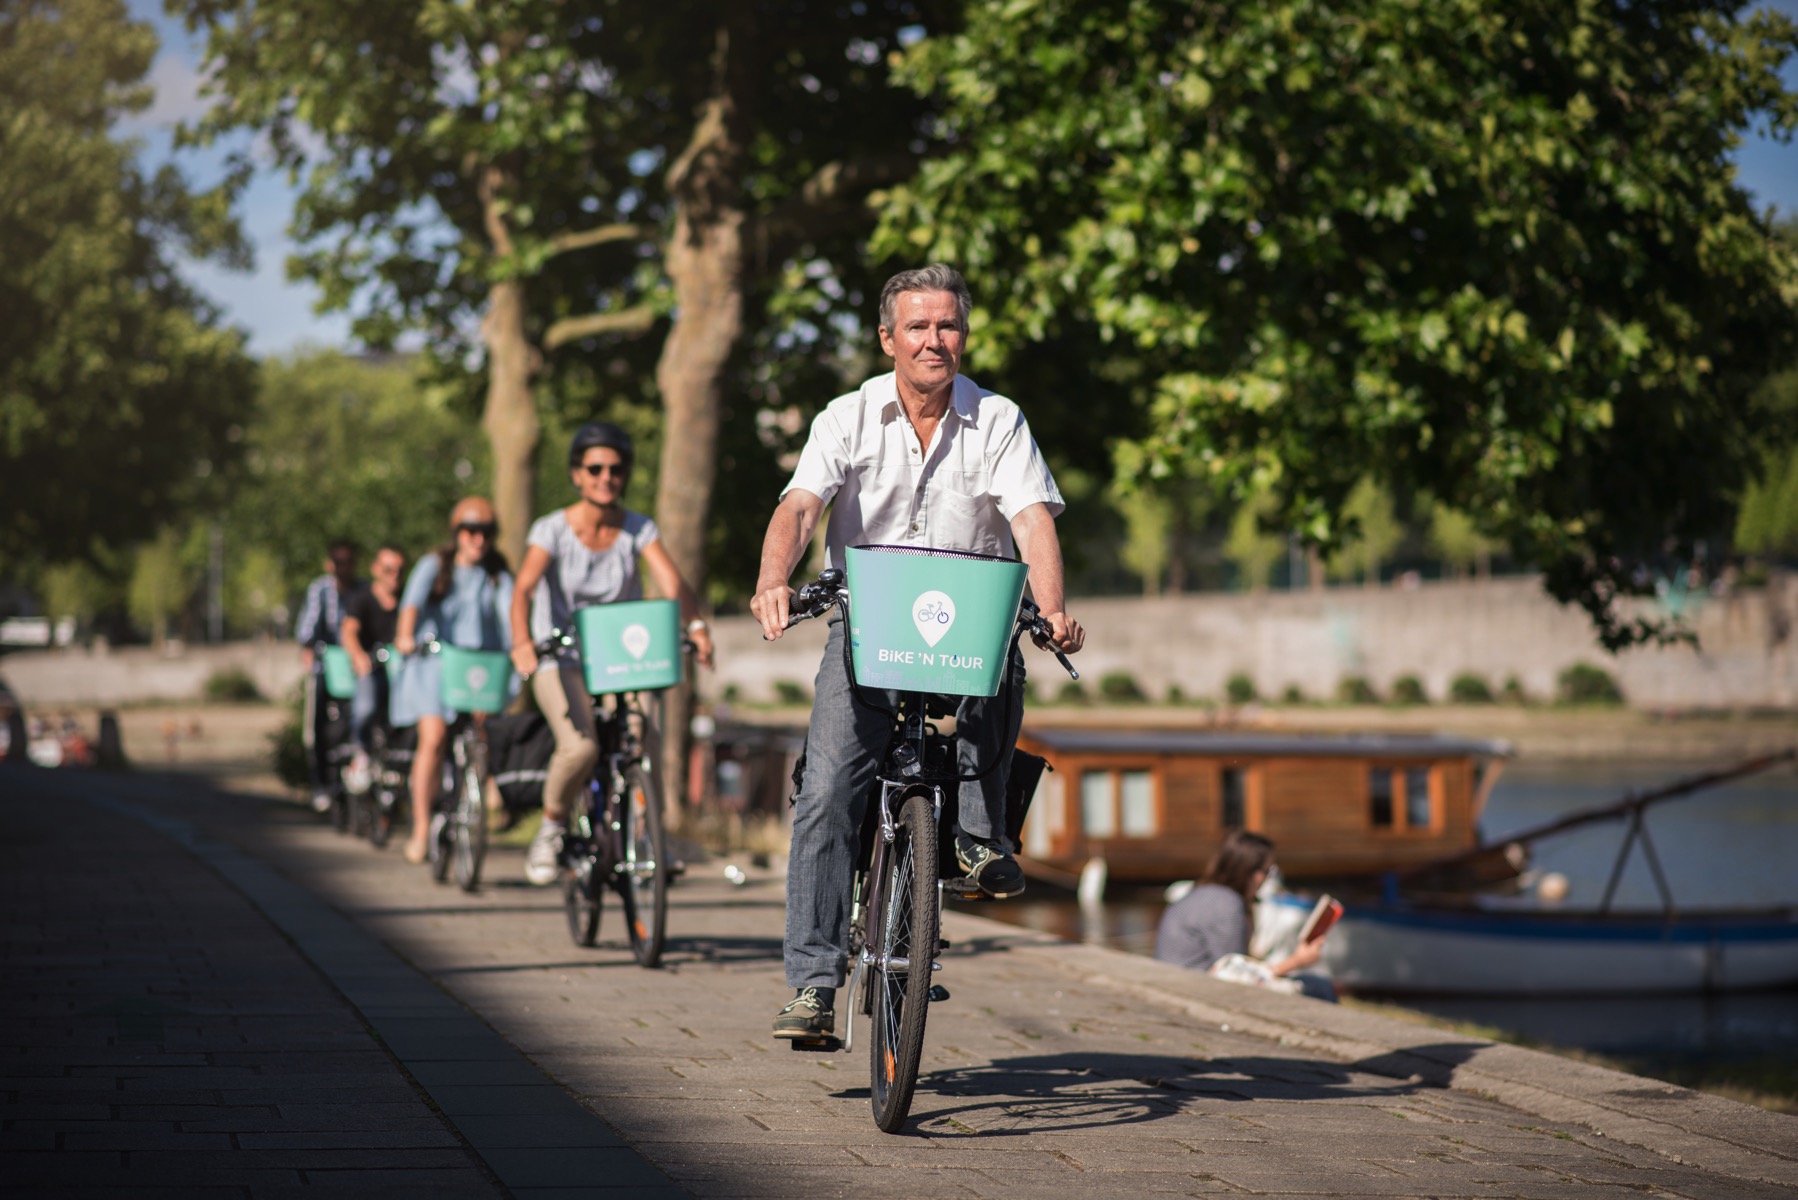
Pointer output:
x,y
461,595
588,553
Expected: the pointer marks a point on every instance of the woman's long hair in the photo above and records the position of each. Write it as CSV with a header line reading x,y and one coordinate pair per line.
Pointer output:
x,y
492,562
1236,863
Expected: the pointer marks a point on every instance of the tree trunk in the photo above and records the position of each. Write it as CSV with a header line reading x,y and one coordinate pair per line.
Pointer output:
x,y
706,265
510,416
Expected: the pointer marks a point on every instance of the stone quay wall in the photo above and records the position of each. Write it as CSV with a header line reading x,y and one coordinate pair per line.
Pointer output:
x,y
1747,653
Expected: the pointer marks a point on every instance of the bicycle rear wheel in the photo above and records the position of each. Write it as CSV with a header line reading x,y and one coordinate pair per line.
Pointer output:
x,y
904,940
469,816
643,873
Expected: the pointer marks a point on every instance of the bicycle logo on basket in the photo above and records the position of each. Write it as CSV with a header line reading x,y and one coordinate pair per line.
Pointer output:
x,y
933,612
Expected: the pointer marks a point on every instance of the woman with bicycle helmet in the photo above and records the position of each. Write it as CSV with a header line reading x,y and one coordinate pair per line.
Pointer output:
x,y
459,594
587,553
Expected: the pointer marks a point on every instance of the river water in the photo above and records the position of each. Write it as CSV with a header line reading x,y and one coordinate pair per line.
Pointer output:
x,y
1731,846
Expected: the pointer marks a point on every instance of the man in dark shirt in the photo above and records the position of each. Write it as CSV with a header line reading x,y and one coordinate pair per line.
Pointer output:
x,y
321,617
369,623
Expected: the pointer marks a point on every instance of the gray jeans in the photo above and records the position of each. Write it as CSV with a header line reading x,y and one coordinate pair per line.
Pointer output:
x,y
843,750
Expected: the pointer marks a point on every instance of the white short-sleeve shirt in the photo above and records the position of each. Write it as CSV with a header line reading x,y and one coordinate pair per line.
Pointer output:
x,y
981,469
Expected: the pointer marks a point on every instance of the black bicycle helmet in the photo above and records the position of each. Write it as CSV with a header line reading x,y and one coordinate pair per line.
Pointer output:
x,y
601,433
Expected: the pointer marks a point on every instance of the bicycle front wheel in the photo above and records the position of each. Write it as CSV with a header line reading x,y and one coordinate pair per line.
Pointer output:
x,y
904,942
469,816
643,871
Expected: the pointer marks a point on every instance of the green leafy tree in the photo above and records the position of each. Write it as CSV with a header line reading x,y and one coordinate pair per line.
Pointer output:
x,y
340,447
117,385
165,572
1457,538
1497,250
1373,532
1251,546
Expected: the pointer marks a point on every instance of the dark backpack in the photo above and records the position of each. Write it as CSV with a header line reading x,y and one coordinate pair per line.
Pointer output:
x,y
518,750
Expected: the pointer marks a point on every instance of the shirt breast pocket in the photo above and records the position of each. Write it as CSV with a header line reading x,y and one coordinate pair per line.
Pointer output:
x,y
967,522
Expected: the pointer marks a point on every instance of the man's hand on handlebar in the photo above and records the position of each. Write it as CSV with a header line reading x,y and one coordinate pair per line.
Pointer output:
x,y
1066,634
771,607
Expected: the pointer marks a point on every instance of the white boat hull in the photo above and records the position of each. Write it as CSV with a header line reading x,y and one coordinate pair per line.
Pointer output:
x,y
1528,954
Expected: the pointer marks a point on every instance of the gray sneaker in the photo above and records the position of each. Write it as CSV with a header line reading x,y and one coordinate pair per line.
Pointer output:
x,y
806,1017
997,872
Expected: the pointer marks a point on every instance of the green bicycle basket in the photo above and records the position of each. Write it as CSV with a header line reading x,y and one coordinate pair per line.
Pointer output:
x,y
474,680
630,646
340,676
931,620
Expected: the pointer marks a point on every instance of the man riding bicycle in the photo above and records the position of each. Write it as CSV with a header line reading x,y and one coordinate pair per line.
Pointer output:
x,y
920,457
321,617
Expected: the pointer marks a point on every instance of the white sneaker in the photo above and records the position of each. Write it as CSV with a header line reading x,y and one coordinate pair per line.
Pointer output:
x,y
356,776
543,861
321,802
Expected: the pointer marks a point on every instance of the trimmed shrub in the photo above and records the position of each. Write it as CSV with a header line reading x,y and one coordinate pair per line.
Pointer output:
x,y
287,754
232,685
1072,692
1354,689
1583,683
732,693
1294,694
1239,688
1512,692
1408,689
1120,687
1469,688
1176,694
790,693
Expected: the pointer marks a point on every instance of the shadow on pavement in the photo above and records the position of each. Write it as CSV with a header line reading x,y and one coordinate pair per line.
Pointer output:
x,y
1098,1090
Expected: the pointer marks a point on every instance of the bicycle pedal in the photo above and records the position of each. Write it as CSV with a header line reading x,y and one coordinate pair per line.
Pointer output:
x,y
819,1045
938,993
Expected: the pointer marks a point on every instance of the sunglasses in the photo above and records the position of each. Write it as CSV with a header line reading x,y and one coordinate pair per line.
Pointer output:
x,y
479,528
597,469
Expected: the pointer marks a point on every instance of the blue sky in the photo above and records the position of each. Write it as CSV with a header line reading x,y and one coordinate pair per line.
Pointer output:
x,y
279,314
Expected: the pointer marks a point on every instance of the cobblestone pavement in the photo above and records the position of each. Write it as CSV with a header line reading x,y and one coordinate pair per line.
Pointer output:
x,y
1054,1070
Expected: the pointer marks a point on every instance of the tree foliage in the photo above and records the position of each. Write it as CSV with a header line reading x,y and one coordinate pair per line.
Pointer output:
x,y
1491,252
341,447
117,385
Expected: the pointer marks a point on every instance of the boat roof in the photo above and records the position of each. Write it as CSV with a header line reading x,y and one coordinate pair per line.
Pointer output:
x,y
1246,744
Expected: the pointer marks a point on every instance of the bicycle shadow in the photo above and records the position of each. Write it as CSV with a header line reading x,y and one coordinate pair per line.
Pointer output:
x,y
1021,1096
723,949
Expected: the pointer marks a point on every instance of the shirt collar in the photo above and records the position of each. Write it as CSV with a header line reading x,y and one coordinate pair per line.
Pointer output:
x,y
964,397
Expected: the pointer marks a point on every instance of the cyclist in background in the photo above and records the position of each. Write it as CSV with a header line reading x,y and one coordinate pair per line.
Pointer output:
x,y
920,457
460,593
587,553
321,616
371,622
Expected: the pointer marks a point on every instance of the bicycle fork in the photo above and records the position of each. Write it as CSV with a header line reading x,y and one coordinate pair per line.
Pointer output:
x,y
873,956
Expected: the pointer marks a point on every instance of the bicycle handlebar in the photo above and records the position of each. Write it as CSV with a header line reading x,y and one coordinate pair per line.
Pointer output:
x,y
826,592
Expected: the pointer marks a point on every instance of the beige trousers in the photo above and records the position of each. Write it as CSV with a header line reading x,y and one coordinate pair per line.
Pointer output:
x,y
562,696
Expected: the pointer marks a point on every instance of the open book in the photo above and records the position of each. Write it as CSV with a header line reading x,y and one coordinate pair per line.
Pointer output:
x,y
1325,913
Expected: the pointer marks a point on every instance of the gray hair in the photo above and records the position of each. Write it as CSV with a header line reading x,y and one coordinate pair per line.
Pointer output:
x,y
937,277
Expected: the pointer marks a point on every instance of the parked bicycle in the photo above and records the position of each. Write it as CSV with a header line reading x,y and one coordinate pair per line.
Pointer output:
x,y
630,652
474,684
906,603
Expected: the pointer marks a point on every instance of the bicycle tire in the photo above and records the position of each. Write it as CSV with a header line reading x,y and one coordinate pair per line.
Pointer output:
x,y
469,820
642,871
581,906
904,940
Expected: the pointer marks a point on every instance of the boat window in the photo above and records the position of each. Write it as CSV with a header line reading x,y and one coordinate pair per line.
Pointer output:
x,y
1136,796
1379,793
1417,798
1098,817
1235,807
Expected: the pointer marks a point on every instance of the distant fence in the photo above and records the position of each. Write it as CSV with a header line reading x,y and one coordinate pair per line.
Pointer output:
x,y
1747,655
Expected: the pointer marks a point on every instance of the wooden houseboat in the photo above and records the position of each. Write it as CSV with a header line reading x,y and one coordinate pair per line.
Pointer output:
x,y
1153,804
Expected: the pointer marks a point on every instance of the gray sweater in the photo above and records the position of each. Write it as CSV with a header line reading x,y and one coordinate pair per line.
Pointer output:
x,y
1206,924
